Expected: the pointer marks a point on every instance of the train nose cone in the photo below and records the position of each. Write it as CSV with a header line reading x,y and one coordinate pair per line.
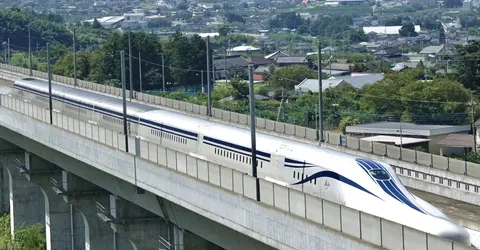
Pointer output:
x,y
456,233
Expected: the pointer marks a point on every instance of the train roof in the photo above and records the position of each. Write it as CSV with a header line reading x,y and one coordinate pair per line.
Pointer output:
x,y
112,102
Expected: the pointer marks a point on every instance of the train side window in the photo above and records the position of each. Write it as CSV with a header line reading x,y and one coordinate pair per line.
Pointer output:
x,y
315,181
293,174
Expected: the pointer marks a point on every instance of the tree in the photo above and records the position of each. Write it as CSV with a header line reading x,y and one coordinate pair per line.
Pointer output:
x,y
186,57
442,34
96,24
358,36
302,29
237,72
289,20
468,64
234,18
407,30
347,121
394,21
224,29
240,89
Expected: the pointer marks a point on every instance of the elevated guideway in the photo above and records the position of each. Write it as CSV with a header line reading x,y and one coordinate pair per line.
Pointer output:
x,y
283,219
423,171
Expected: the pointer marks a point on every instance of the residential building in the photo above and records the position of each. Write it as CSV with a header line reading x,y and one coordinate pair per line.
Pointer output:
x,y
387,30
423,2
346,2
387,53
259,72
276,55
240,50
291,60
359,80
432,53
228,62
312,84
134,21
259,60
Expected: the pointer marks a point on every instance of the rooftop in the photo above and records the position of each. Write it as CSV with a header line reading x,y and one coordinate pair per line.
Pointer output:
x,y
394,128
292,59
457,141
244,48
432,49
360,80
397,140
387,30
229,61
312,84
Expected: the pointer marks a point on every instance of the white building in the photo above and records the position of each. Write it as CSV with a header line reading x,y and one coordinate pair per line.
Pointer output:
x,y
243,50
134,21
387,30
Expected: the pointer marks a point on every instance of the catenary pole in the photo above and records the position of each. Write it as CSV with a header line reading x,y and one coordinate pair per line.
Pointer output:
x,y
252,130
49,73
124,96
320,93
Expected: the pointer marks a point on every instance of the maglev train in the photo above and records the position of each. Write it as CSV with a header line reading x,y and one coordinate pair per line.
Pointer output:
x,y
362,184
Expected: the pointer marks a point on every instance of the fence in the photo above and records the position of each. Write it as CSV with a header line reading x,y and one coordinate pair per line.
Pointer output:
x,y
357,224
299,132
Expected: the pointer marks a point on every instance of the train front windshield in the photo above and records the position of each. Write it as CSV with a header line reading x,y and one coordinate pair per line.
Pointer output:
x,y
379,174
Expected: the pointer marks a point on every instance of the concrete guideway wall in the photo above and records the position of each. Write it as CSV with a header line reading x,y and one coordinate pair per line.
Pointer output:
x,y
217,192
406,156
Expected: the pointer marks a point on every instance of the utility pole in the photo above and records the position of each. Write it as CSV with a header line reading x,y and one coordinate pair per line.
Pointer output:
x,y
140,70
401,139
130,65
320,93
201,73
9,54
124,96
252,130
225,65
5,47
209,110
74,59
30,50
163,72
473,124
49,73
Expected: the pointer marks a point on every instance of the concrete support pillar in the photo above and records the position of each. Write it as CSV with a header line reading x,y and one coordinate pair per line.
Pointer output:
x,y
132,223
84,196
64,227
26,200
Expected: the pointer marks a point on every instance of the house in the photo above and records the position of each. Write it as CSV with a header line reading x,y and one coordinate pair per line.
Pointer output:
x,y
360,80
260,72
347,2
220,63
259,60
412,132
275,55
431,53
387,53
423,2
387,30
312,84
242,50
291,60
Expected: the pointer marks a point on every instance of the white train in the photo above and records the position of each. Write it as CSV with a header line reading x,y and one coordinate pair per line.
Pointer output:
x,y
361,184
